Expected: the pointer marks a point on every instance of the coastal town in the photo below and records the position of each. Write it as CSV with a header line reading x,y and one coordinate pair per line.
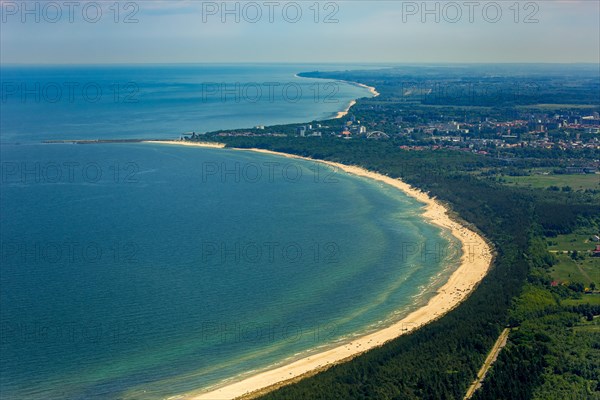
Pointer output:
x,y
497,137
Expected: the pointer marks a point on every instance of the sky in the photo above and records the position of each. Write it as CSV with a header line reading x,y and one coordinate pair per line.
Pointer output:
x,y
357,31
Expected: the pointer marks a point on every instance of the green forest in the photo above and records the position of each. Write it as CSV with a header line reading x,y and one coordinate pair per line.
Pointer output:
x,y
543,282
553,350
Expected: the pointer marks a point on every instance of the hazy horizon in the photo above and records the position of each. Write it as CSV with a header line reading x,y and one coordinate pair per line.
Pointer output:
x,y
350,63
144,32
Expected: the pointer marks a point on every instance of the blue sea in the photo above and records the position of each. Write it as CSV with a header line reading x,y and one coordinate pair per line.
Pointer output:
x,y
161,101
145,270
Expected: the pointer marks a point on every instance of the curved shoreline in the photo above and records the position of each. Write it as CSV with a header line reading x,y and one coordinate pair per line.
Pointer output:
x,y
371,89
474,264
345,112
341,114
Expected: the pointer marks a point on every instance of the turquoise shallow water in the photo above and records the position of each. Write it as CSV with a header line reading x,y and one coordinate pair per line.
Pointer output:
x,y
182,272
145,270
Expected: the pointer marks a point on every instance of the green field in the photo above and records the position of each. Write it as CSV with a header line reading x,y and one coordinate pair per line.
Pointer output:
x,y
537,181
592,299
579,241
585,269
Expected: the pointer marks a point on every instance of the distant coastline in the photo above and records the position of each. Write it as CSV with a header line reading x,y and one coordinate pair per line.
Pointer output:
x,y
187,143
343,113
373,91
476,259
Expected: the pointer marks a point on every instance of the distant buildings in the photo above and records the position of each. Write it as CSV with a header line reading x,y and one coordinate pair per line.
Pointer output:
x,y
521,133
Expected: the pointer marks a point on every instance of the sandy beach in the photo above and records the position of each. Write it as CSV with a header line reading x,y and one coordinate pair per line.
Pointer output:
x,y
341,114
192,144
373,91
474,264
